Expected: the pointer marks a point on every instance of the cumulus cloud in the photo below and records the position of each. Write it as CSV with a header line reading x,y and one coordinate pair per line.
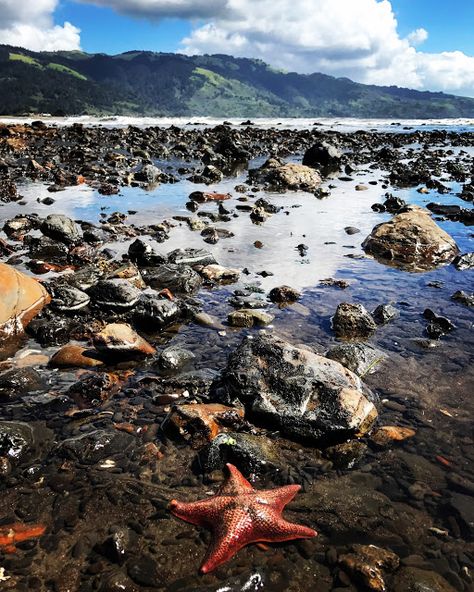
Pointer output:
x,y
155,9
30,24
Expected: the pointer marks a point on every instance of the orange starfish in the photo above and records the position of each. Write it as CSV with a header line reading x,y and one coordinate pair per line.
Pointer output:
x,y
239,515
17,533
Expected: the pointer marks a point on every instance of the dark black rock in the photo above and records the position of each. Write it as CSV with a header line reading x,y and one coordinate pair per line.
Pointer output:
x,y
153,312
384,313
179,279
115,294
61,228
18,382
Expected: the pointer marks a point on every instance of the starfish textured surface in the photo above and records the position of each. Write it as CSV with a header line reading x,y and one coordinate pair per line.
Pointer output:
x,y
239,515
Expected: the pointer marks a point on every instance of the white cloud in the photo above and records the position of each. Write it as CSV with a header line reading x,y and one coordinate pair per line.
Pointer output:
x,y
417,36
156,9
30,24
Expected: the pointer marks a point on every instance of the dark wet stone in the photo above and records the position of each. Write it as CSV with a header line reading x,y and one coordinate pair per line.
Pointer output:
x,y
68,298
350,230
115,294
145,572
304,394
93,390
322,155
464,297
119,582
143,254
412,579
464,262
94,446
353,321
148,174
384,313
61,228
175,358
438,325
252,454
360,358
179,279
155,312
191,257
47,249
117,545
16,439
463,506
18,382
284,294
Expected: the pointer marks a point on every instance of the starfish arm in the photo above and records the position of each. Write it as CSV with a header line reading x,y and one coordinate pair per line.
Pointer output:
x,y
278,498
201,513
271,527
229,536
235,483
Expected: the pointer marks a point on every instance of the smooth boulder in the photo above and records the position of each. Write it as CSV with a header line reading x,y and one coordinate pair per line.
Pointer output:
x,y
21,299
411,240
305,395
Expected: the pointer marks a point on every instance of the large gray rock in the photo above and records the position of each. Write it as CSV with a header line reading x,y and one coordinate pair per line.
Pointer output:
x,y
322,155
411,240
61,228
304,394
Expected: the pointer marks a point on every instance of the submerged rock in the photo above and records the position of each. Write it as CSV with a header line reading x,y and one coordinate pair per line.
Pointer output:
x,y
366,565
21,299
411,240
359,358
304,394
249,318
16,439
353,321
284,295
384,313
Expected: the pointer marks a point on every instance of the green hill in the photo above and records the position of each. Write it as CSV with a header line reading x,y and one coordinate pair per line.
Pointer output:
x,y
161,84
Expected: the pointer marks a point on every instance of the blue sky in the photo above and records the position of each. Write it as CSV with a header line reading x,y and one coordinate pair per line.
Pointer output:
x,y
422,44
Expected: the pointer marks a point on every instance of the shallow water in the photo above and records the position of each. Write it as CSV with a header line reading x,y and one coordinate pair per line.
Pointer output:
x,y
399,498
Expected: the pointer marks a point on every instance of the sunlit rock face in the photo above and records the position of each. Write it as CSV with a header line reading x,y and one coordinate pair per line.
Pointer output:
x,y
21,299
411,241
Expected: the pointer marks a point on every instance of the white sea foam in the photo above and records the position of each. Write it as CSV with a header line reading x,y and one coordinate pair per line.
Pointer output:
x,y
337,123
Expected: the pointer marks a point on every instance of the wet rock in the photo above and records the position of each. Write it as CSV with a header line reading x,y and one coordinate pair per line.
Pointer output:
x,y
303,394
284,295
412,241
412,579
148,174
385,313
61,228
388,435
179,279
175,358
366,565
44,248
95,446
201,423
75,356
18,227
154,312
94,389
350,230
346,455
438,325
120,340
116,546
453,212
205,196
16,439
287,176
464,262
18,382
353,321
68,298
332,282
114,294
359,358
323,155
463,507
249,318
144,255
191,257
144,571
464,297
252,454
22,298
210,235
217,273
130,273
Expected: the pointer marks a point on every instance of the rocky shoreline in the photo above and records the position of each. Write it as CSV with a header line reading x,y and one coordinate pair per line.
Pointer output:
x,y
118,386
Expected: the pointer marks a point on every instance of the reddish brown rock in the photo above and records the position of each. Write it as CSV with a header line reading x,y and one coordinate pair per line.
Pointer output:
x,y
21,299
202,423
74,356
203,196
120,340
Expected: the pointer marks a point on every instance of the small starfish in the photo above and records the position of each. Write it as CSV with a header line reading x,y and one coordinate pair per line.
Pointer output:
x,y
238,515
